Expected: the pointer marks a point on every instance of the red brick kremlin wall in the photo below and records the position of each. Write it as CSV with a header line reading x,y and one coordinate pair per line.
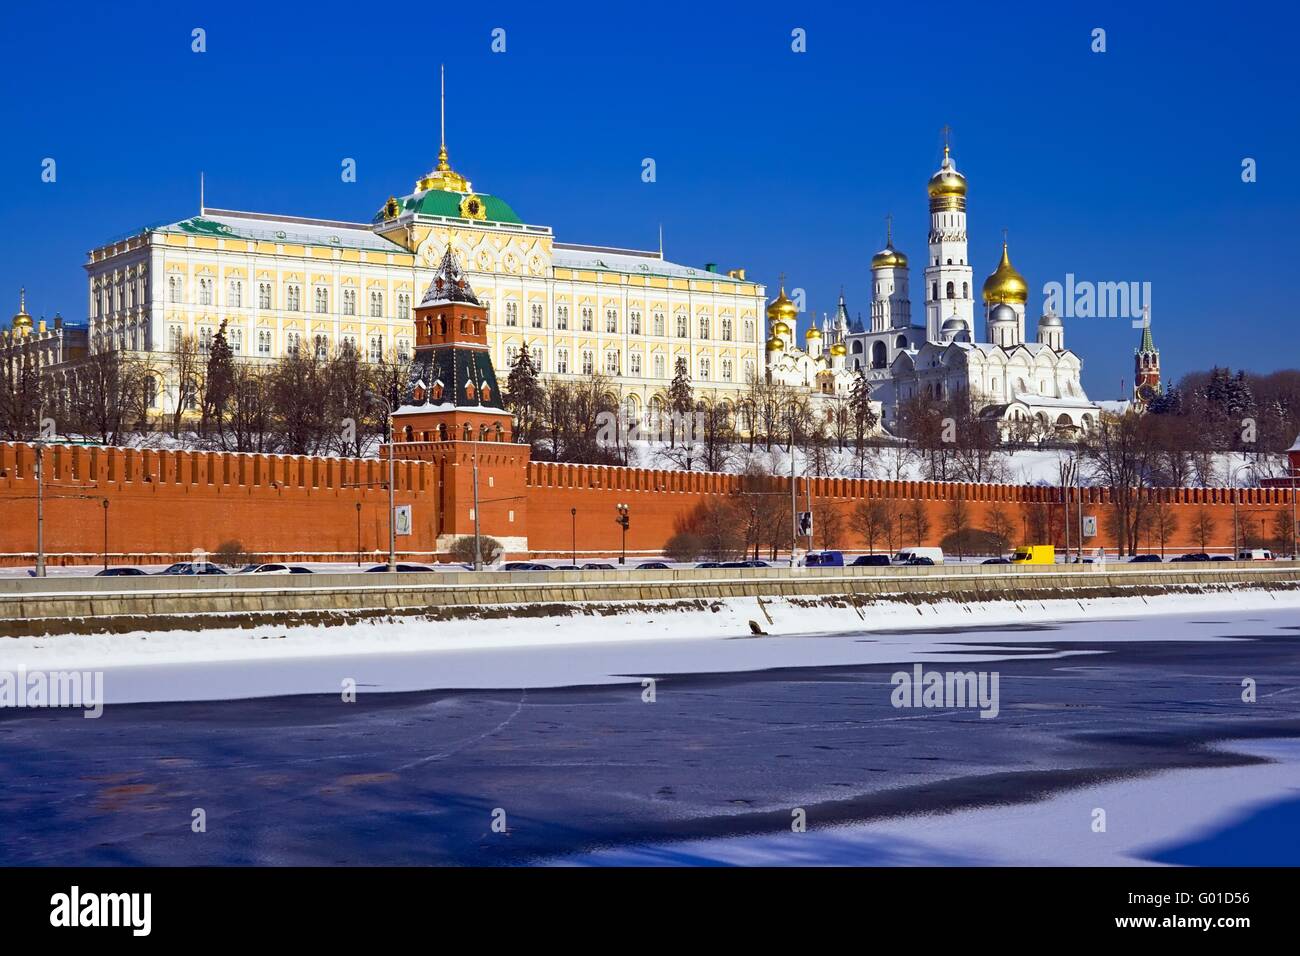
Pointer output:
x,y
165,504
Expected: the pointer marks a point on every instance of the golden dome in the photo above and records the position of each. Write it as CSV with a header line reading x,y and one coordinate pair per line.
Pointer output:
x,y
782,310
947,187
780,329
1006,284
813,333
839,348
22,321
889,258
774,344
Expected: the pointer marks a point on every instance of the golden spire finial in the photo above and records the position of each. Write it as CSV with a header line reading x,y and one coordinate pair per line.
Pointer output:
x,y
442,176
947,130
889,230
22,301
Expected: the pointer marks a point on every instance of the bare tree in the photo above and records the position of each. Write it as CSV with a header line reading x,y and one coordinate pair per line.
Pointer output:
x,y
186,370
872,520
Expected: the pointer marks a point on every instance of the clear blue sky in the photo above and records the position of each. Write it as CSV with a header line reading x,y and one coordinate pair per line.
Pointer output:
x,y
1122,166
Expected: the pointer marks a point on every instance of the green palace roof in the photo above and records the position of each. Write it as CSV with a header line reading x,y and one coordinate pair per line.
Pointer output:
x,y
437,202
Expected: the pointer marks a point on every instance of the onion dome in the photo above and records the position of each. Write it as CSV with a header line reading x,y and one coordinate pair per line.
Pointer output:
x,y
782,311
955,324
774,344
1050,320
780,329
839,348
889,258
947,187
1002,313
813,333
1006,284
22,322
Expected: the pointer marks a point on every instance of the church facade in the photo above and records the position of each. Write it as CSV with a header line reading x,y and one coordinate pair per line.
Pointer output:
x,y
1024,386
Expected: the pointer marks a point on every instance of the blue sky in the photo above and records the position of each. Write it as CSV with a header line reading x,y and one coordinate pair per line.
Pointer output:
x,y
1121,166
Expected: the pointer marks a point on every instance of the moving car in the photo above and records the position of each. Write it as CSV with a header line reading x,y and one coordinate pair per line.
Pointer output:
x,y
1034,554
708,564
1255,554
265,569
524,566
824,559
191,567
996,561
870,561
653,566
596,566
905,555
1195,556
921,560
1145,559
119,573
400,567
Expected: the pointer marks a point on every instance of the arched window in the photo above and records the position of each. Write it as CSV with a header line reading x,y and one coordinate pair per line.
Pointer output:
x,y
900,342
951,291
409,434
486,393
469,391
878,355
965,290
934,288
437,391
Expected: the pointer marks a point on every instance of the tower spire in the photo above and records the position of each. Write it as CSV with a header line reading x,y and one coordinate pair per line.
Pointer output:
x,y
203,209
889,230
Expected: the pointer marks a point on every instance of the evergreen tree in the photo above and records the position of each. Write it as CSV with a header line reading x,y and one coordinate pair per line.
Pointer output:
x,y
680,397
525,396
864,418
219,380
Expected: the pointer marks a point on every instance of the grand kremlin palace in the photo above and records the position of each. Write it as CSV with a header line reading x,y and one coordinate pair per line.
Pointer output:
x,y
280,282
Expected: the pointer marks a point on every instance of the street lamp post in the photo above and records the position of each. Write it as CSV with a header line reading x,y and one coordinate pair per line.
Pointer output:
x,y
1232,484
376,401
573,554
105,534
623,521
358,534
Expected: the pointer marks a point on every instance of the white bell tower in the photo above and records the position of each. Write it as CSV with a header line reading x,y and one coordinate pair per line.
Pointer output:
x,y
948,286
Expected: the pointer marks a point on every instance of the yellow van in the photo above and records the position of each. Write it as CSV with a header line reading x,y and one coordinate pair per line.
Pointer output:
x,y
1035,554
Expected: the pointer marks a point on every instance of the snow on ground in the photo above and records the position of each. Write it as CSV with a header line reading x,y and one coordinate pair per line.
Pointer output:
x,y
409,653
1174,816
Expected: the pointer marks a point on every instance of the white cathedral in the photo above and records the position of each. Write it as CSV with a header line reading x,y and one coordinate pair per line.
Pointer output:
x,y
1027,388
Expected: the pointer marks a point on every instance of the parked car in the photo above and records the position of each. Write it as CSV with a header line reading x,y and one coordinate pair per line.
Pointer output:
x,y
1255,554
824,559
597,566
870,561
566,567
1195,556
1221,557
905,555
996,561
265,569
653,566
400,567
119,573
191,567
708,564
1145,559
921,560
523,566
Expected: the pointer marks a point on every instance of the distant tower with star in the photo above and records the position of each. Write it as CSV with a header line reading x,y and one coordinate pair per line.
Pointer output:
x,y
1146,365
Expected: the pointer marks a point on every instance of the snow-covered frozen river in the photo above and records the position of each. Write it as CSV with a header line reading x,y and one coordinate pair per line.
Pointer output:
x,y
605,742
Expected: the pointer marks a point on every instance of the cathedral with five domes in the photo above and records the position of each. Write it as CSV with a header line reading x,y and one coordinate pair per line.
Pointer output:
x,y
1028,388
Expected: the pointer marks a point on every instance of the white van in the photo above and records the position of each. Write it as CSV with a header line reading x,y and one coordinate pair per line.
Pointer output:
x,y
1255,554
905,555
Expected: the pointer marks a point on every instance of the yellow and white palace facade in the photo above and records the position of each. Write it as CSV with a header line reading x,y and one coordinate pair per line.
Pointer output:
x,y
280,282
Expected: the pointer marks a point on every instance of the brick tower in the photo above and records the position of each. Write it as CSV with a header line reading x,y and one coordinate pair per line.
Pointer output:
x,y
452,415
1146,365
